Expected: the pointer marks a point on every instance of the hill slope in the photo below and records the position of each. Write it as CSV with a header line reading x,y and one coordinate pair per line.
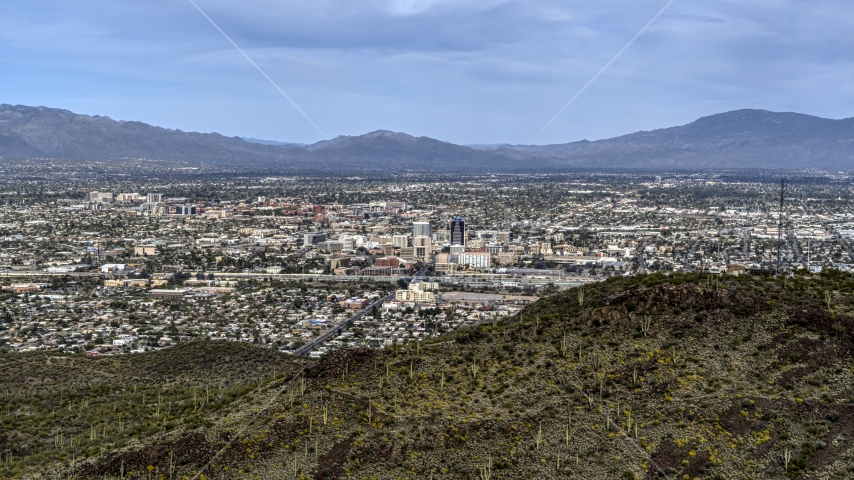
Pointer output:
x,y
60,409
648,377
738,139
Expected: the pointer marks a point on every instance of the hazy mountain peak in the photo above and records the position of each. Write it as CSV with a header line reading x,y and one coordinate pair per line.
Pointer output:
x,y
736,139
399,136
756,117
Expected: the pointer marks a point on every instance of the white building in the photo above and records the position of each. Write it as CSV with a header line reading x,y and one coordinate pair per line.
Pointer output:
x,y
400,241
475,259
414,296
99,197
417,292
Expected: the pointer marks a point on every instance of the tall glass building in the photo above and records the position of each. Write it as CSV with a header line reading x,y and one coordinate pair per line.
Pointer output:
x,y
458,231
422,229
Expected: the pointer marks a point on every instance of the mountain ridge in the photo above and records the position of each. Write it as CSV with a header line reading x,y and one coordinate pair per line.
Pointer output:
x,y
737,139
649,376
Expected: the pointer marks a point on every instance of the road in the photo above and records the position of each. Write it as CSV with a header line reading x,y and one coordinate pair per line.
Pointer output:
x,y
493,278
341,326
349,321
641,261
691,252
796,248
842,242
831,230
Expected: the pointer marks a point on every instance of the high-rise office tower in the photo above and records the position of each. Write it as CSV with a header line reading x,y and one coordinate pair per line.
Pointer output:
x,y
422,229
154,198
458,231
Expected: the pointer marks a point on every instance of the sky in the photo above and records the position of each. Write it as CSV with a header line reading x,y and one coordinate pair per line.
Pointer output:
x,y
463,71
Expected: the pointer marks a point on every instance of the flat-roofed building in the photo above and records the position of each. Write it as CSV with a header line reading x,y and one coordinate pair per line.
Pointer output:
x,y
475,259
393,262
175,294
313,238
23,288
417,292
144,250
414,296
400,241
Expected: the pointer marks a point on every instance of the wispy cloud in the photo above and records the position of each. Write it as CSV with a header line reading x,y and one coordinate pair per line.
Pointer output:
x,y
465,71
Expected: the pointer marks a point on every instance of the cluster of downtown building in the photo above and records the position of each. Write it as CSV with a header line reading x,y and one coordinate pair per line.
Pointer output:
x,y
110,293
149,270
449,249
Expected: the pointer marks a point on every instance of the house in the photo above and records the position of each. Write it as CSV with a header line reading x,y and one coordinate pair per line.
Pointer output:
x,y
144,250
736,269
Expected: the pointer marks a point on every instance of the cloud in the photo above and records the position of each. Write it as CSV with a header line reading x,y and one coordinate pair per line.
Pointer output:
x,y
467,71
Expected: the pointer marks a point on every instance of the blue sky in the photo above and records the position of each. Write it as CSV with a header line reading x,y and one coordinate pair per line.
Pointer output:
x,y
465,71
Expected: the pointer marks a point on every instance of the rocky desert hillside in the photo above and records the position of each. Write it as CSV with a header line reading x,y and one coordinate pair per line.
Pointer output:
x,y
681,376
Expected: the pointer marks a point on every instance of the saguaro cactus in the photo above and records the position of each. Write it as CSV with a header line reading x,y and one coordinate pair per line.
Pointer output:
x,y
566,433
596,361
646,323
486,469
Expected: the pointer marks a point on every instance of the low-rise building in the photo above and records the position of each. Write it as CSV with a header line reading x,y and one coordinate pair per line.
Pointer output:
x,y
144,250
175,294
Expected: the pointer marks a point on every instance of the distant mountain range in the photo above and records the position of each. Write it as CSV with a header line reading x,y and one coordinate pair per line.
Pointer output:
x,y
737,139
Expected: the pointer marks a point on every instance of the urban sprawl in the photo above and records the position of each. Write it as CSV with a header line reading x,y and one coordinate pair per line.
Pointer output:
x,y
110,263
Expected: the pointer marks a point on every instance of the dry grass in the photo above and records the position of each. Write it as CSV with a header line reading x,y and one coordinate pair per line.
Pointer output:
x,y
727,378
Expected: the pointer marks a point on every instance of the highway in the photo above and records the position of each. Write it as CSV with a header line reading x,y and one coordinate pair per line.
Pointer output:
x,y
493,278
349,321
690,253
641,261
463,279
795,248
305,349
